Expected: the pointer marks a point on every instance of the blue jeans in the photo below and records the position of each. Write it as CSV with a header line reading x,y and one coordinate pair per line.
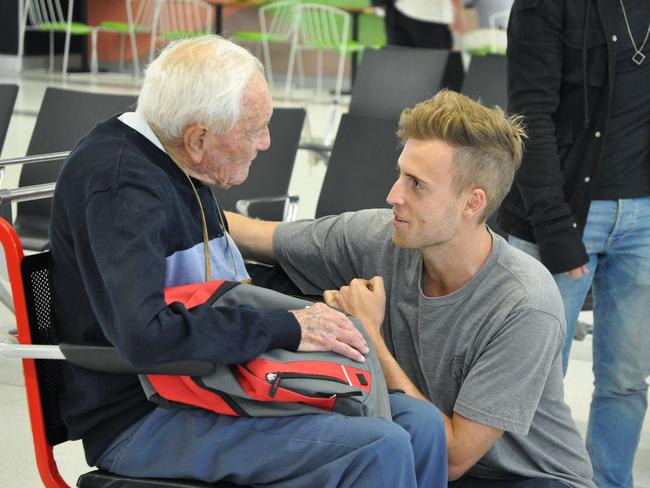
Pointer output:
x,y
327,451
617,238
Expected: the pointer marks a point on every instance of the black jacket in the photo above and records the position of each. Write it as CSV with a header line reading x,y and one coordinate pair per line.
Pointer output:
x,y
561,61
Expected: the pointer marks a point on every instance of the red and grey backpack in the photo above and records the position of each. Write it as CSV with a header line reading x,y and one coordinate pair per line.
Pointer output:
x,y
277,383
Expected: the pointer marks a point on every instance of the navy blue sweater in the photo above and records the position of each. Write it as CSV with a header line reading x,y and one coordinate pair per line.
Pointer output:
x,y
123,216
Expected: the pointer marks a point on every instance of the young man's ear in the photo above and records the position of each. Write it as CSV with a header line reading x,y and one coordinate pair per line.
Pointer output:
x,y
194,141
475,203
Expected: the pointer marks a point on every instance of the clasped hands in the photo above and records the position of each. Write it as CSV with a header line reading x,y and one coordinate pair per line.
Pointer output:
x,y
326,329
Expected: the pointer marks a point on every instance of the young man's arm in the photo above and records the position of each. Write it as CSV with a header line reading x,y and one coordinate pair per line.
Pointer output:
x,y
253,237
467,440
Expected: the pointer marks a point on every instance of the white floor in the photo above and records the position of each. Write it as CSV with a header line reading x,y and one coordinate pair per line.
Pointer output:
x,y
17,466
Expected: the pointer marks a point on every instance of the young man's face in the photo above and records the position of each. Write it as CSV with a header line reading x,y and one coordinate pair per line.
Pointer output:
x,y
227,158
426,210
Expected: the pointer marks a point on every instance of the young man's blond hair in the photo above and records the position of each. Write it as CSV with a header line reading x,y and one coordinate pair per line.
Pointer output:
x,y
487,144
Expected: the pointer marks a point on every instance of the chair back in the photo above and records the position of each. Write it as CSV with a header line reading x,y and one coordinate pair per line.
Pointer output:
x,y
64,117
179,19
361,169
42,327
49,14
270,173
31,292
319,28
486,80
140,14
391,79
139,20
8,95
323,27
277,20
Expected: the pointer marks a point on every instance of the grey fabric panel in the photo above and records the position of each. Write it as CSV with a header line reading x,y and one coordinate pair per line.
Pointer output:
x,y
375,403
149,390
261,298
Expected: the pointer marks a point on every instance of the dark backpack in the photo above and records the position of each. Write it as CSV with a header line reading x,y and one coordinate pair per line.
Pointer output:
x,y
277,383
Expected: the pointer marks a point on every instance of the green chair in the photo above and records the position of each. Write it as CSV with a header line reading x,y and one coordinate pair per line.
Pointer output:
x,y
179,19
139,14
48,16
322,28
277,24
371,32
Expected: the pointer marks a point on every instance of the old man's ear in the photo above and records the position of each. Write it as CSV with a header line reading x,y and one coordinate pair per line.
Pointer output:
x,y
194,141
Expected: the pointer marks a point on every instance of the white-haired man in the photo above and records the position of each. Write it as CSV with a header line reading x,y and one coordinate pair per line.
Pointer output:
x,y
133,214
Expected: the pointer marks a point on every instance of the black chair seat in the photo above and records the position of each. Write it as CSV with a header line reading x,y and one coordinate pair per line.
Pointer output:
x,y
102,479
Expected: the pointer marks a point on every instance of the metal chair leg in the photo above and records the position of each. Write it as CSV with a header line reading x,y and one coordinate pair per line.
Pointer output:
x,y
319,71
288,88
122,54
51,68
94,62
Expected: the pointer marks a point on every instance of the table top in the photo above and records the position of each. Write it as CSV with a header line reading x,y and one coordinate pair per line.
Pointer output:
x,y
242,3
353,6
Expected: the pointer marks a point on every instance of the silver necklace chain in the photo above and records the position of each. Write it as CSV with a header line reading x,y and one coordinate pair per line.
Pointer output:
x,y
638,57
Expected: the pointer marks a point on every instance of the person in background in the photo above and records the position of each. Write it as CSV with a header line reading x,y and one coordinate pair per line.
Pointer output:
x,y
423,23
579,71
491,13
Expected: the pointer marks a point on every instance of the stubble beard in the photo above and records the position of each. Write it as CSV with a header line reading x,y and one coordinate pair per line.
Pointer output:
x,y
436,239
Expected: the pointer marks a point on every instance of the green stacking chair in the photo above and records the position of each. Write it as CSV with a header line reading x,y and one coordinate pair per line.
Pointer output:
x,y
179,19
139,15
322,28
278,22
49,16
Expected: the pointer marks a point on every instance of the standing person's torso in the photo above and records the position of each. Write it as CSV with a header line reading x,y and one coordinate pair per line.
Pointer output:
x,y
625,167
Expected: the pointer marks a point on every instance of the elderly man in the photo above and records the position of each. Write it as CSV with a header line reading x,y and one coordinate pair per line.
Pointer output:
x,y
133,214
469,323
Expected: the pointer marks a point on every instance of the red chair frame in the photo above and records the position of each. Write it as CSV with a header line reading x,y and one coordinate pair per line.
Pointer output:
x,y
44,452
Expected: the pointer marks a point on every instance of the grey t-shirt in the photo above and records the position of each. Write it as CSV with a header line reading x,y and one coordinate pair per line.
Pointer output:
x,y
490,351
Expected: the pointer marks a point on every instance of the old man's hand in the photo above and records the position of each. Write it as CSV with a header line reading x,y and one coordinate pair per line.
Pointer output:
x,y
325,329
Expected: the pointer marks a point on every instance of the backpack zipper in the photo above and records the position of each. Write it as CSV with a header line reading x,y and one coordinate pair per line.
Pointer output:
x,y
276,379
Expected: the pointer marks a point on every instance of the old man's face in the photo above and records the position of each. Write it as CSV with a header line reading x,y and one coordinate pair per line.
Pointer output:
x,y
228,157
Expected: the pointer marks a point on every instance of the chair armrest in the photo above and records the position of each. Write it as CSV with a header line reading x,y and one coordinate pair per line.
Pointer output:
x,y
36,158
101,358
34,192
27,193
290,211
